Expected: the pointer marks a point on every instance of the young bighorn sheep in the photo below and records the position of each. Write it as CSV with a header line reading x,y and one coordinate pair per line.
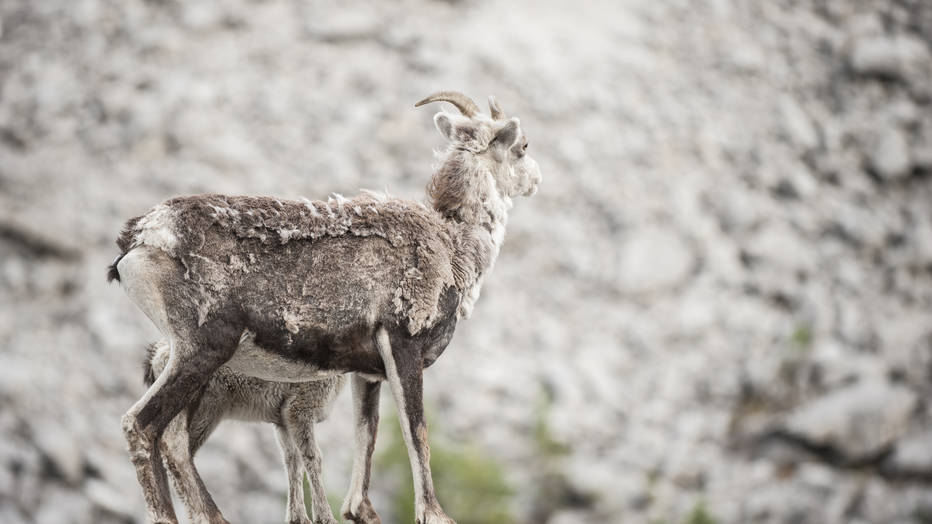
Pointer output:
x,y
292,407
295,291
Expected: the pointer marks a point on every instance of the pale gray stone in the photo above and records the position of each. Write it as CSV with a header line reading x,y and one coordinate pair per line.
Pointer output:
x,y
777,245
63,505
654,259
12,515
61,448
109,498
890,156
859,421
799,126
913,453
890,56
922,156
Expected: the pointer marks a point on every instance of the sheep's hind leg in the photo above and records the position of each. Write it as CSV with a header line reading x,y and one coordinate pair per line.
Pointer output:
x,y
300,427
356,505
296,513
193,359
405,377
175,445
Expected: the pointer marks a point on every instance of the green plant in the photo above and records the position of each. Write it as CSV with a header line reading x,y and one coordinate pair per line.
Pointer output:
x,y
802,337
700,515
334,500
471,486
547,446
552,490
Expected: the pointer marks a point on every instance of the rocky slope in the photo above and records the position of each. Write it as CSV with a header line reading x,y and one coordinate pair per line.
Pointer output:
x,y
724,286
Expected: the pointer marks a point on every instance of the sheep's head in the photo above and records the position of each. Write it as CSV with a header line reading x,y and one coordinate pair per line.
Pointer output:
x,y
483,151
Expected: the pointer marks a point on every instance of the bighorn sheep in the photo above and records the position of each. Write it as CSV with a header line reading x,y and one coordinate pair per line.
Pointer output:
x,y
296,291
292,407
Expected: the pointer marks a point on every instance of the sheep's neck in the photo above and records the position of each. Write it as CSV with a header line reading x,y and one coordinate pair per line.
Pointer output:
x,y
483,219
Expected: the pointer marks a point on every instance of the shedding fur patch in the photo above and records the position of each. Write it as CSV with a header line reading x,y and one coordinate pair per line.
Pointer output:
x,y
220,238
157,228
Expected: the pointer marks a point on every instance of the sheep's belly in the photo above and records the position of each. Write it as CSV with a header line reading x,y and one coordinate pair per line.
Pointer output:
x,y
253,360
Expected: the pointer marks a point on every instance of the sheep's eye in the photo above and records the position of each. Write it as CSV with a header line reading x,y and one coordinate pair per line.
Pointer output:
x,y
524,147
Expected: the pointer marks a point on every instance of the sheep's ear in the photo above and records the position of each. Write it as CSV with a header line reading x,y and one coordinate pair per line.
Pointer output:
x,y
507,135
444,125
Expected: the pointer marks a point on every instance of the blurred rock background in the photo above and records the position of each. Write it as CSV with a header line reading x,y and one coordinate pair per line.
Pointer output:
x,y
717,309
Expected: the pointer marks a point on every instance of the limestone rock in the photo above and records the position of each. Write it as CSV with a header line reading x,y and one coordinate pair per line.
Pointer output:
x,y
913,454
61,449
654,259
859,421
886,56
799,126
890,157
109,498
779,246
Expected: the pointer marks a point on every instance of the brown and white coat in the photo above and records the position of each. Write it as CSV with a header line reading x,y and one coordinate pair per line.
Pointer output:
x,y
293,291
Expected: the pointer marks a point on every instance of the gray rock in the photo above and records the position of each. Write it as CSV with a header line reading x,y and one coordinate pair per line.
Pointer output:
x,y
346,26
60,447
778,245
63,505
257,506
907,339
109,498
859,421
913,453
799,126
200,17
836,367
890,157
11,515
654,259
922,156
904,112
892,57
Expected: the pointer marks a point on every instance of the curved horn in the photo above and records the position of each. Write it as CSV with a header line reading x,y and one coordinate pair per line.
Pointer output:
x,y
495,109
462,102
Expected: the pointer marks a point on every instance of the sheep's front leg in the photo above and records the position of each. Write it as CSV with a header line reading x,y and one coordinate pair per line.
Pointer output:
x,y
296,512
175,446
356,505
300,427
404,371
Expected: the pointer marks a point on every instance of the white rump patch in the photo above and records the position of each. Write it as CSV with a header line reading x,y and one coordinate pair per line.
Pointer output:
x,y
155,229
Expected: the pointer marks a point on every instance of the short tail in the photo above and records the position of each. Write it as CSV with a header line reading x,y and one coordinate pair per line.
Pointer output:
x,y
147,374
112,272
125,242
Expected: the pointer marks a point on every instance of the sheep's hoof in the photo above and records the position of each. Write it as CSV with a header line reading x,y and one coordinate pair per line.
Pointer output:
x,y
434,515
365,514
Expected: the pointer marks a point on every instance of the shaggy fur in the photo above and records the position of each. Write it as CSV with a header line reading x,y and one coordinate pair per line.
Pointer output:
x,y
231,395
148,373
220,239
292,407
295,291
